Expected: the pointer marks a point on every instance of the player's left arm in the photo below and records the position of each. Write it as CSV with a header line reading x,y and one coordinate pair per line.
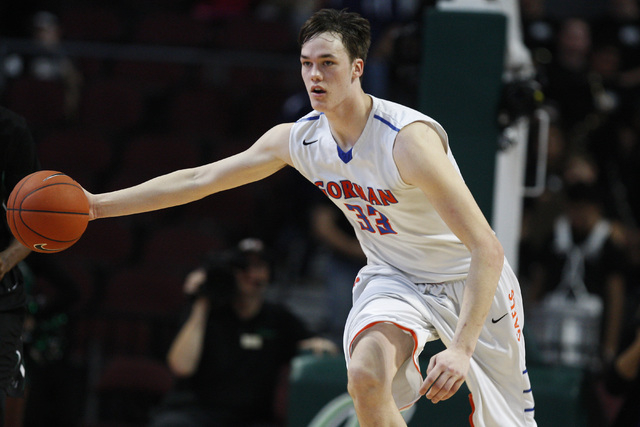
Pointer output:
x,y
421,157
11,256
265,157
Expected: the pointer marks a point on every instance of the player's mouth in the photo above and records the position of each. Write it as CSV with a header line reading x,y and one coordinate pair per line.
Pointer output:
x,y
317,91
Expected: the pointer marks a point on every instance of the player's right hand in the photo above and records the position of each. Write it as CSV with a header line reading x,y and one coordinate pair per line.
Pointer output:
x,y
90,198
446,372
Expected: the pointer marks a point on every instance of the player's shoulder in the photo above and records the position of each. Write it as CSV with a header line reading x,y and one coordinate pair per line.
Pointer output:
x,y
312,120
277,135
282,129
396,116
406,120
311,117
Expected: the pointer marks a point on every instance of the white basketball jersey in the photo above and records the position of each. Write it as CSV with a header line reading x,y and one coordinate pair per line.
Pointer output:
x,y
395,223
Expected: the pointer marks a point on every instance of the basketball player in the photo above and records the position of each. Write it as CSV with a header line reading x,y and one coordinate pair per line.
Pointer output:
x,y
19,159
435,269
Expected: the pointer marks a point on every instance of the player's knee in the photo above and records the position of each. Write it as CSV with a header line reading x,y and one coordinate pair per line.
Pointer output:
x,y
363,382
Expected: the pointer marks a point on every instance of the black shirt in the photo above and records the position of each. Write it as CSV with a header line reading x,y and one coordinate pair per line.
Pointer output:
x,y
19,159
241,362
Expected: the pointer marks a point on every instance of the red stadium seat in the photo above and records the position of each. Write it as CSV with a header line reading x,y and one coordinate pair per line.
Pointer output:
x,y
145,291
94,23
201,111
180,248
111,105
128,388
151,75
173,29
80,153
259,35
41,102
150,155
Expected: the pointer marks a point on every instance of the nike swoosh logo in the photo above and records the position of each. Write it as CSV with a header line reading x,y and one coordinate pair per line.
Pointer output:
x,y
305,142
499,318
41,246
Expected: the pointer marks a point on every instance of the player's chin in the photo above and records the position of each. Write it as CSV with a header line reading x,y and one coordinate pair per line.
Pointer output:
x,y
318,104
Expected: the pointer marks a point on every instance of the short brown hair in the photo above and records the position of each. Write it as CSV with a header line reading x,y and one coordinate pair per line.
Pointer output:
x,y
353,29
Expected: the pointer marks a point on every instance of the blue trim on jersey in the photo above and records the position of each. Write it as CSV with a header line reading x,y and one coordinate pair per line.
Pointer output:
x,y
529,409
345,156
308,119
386,122
527,391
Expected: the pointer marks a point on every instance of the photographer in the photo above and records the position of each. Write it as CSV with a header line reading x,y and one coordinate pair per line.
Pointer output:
x,y
229,352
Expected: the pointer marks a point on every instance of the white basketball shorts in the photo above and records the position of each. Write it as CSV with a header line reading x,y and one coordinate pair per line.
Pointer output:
x,y
498,380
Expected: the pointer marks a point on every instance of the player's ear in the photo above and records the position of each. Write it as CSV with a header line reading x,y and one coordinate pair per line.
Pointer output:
x,y
357,68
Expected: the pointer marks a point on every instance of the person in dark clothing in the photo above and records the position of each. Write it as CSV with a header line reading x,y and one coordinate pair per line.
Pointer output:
x,y
54,384
229,352
19,159
583,257
623,376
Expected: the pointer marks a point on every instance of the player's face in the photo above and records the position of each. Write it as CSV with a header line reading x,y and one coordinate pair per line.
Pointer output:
x,y
328,73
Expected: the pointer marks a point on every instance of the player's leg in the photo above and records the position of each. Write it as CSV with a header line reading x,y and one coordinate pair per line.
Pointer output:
x,y
384,334
377,354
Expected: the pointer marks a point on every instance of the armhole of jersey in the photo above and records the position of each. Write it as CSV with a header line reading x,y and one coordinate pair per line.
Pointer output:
x,y
292,151
441,133
433,125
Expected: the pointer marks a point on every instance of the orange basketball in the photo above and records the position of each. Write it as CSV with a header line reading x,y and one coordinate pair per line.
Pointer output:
x,y
47,211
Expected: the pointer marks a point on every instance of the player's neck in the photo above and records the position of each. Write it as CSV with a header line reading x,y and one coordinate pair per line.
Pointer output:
x,y
350,119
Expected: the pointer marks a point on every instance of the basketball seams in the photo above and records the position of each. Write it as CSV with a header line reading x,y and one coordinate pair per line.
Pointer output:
x,y
43,236
15,194
10,202
15,228
51,212
26,196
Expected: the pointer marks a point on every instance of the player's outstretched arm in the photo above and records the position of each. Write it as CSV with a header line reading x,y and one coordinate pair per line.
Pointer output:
x,y
268,155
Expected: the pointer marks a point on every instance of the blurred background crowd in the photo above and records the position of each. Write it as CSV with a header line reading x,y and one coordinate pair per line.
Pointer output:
x,y
116,92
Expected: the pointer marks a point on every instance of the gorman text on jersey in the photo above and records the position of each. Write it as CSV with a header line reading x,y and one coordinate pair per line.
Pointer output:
x,y
348,190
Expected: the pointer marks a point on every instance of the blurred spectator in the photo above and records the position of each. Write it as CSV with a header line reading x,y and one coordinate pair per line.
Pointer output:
x,y
216,10
620,27
622,376
291,11
233,346
394,44
538,30
53,63
616,148
604,72
565,79
48,61
582,261
564,167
